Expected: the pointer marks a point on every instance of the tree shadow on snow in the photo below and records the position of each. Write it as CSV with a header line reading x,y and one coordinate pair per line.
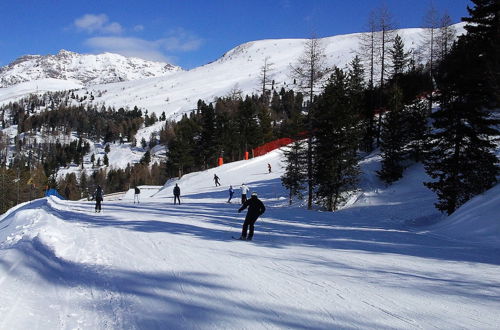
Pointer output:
x,y
281,227
163,300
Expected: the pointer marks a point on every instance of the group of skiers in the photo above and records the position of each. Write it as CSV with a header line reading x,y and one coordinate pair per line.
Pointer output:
x,y
254,204
244,191
99,193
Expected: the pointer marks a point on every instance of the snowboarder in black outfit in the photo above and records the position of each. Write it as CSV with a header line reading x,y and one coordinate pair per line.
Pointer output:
x,y
137,191
231,193
98,198
216,179
255,209
269,167
177,194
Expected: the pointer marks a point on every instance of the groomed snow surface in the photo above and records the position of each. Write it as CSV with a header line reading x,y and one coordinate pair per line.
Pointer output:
x,y
388,260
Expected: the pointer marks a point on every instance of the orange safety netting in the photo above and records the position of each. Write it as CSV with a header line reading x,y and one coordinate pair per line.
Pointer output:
x,y
270,146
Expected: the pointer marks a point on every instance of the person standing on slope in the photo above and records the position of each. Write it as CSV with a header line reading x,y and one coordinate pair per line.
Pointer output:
x,y
231,193
98,198
177,194
137,191
269,167
216,179
244,190
255,209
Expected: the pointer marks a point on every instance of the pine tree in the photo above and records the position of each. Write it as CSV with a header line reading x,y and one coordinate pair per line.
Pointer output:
x,y
446,37
483,31
209,150
146,159
399,58
357,99
461,157
295,175
69,187
393,139
310,72
336,140
84,187
248,126
266,129
181,149
417,129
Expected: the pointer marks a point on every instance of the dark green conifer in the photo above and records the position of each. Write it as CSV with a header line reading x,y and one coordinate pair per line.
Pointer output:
x,y
461,157
336,138
295,176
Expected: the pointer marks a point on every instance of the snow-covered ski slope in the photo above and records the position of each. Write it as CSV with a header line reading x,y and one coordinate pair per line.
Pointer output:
x,y
376,264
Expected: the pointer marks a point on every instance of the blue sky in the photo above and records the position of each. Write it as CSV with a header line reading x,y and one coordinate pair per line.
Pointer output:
x,y
188,33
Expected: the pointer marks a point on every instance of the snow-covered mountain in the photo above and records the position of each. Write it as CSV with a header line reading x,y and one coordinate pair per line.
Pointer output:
x,y
238,69
85,68
176,91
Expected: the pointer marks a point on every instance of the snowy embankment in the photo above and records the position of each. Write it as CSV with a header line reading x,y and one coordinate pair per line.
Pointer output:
x,y
476,221
375,264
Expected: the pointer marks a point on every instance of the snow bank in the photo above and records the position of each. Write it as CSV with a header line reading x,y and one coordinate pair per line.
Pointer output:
x,y
476,221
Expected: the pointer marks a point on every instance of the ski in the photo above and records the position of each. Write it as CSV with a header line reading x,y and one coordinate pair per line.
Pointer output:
x,y
238,239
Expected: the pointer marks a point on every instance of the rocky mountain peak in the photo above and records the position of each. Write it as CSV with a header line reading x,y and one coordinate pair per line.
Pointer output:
x,y
89,69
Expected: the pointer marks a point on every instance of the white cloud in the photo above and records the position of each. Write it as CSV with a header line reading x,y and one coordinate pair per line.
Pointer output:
x,y
138,28
149,50
113,28
178,40
181,40
97,24
106,39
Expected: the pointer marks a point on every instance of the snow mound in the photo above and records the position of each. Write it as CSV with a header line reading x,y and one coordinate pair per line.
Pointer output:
x,y
476,221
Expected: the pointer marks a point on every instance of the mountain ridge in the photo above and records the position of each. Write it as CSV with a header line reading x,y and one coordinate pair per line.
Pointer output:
x,y
89,69
238,69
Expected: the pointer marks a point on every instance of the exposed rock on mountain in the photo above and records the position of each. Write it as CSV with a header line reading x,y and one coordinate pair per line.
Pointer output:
x,y
88,69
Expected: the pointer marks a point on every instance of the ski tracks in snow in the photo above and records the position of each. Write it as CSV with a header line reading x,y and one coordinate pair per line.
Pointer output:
x,y
156,267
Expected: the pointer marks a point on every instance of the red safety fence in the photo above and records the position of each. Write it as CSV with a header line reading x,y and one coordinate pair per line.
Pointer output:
x,y
270,146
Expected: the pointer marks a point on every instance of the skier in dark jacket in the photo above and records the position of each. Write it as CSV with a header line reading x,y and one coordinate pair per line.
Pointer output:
x,y
177,194
216,180
255,209
137,191
98,198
